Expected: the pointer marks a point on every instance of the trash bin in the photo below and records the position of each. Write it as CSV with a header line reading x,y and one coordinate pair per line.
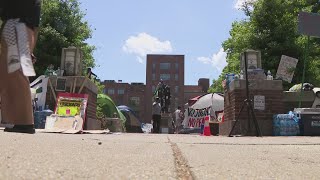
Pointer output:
x,y
214,128
310,121
40,118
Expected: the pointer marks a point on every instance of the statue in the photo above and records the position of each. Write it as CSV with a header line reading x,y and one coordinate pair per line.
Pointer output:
x,y
163,93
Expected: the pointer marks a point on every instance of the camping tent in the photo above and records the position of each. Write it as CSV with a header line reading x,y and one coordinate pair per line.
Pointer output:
x,y
108,108
207,105
133,124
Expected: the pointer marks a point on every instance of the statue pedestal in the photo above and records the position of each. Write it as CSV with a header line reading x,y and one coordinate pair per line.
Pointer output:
x,y
166,123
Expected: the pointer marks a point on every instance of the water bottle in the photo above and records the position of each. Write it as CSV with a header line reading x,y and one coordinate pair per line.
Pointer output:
x,y
241,75
269,75
58,72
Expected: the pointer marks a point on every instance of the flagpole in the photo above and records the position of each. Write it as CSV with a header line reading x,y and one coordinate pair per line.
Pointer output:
x,y
306,53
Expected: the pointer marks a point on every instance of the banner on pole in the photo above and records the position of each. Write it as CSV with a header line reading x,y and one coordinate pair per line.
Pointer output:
x,y
309,24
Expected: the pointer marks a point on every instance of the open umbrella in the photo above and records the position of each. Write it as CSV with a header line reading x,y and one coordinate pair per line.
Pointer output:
x,y
214,100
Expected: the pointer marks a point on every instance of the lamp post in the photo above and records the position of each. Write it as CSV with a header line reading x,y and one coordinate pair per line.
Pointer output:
x,y
250,60
253,59
71,61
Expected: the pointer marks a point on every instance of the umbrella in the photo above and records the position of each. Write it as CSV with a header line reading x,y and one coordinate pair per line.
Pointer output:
x,y
193,100
214,100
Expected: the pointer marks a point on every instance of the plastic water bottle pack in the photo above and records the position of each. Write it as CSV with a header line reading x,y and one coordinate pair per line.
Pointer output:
x,y
286,125
146,128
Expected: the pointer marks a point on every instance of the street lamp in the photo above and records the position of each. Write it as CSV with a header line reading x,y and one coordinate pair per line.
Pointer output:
x,y
250,60
71,61
253,59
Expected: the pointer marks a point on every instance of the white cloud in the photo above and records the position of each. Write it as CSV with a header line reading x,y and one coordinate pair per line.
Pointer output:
x,y
218,60
238,4
144,44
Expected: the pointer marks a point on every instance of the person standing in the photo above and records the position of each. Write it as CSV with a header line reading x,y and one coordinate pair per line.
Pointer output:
x,y
178,120
20,22
156,115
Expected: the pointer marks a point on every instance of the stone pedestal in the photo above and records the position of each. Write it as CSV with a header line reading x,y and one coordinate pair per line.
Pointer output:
x,y
166,123
235,95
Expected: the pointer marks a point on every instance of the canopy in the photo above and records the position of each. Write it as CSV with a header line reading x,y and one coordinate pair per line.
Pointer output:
x,y
214,100
193,100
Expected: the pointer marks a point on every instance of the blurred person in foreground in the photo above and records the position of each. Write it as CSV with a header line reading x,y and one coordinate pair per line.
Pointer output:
x,y
19,29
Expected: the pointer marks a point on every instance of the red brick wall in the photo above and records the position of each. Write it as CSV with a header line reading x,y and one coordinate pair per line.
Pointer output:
x,y
233,103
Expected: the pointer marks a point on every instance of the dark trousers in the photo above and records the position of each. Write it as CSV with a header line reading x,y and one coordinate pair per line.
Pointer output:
x,y
156,123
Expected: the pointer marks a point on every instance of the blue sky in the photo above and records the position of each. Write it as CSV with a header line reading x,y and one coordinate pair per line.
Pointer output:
x,y
127,30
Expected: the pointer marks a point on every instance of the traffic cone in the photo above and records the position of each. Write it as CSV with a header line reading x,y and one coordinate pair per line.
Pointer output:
x,y
206,130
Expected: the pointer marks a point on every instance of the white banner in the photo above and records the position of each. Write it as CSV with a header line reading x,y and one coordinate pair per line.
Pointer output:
x,y
196,117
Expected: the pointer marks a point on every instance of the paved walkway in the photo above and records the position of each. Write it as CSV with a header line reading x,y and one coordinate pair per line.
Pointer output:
x,y
149,156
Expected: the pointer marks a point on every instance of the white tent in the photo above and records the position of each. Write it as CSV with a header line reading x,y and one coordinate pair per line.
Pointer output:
x,y
207,105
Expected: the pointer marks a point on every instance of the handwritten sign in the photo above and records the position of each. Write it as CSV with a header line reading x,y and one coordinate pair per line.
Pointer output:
x,y
259,102
286,68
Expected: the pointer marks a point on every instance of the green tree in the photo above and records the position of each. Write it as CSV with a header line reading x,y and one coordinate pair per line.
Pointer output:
x,y
271,27
62,25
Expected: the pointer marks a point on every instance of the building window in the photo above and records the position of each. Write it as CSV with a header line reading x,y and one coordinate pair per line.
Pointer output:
x,y
135,101
153,77
105,91
177,66
165,77
110,91
176,77
164,66
120,91
154,66
176,89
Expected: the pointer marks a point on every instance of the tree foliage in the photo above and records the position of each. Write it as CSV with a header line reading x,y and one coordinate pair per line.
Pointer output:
x,y
62,25
271,27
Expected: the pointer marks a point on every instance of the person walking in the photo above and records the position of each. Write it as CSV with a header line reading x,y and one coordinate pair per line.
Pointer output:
x,y
156,115
20,22
178,120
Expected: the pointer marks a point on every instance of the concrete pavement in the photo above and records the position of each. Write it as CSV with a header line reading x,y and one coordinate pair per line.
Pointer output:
x,y
149,156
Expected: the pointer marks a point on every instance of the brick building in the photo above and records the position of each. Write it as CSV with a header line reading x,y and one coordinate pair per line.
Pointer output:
x,y
169,68
131,95
191,91
139,97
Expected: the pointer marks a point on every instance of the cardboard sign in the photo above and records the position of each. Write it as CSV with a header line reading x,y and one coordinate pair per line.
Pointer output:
x,y
69,104
286,68
69,125
259,102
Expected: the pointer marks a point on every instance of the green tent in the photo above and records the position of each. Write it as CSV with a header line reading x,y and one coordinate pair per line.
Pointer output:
x,y
106,106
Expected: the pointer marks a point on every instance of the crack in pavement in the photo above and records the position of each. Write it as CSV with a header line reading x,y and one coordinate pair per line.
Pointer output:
x,y
181,164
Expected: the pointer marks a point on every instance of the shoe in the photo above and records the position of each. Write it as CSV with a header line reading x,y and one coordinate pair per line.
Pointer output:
x,y
28,129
